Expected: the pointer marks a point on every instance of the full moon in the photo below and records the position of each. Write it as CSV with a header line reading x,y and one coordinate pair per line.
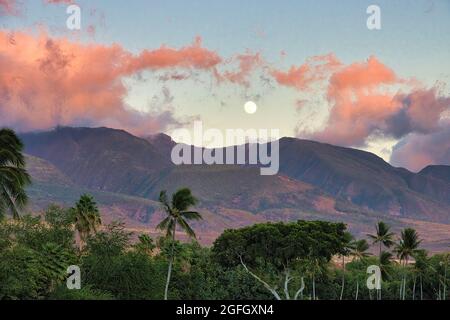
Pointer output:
x,y
250,107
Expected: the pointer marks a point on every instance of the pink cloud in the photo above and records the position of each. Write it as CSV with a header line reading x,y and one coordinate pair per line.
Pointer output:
x,y
315,69
367,99
47,82
191,57
364,101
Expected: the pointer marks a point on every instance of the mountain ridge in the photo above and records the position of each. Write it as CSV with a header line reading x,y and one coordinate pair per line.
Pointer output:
x,y
115,161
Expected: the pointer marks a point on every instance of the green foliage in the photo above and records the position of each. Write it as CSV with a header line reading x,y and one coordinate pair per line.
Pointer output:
x,y
278,253
280,244
85,293
408,245
19,274
177,212
34,255
13,174
177,215
36,251
110,242
383,236
109,267
86,217
145,244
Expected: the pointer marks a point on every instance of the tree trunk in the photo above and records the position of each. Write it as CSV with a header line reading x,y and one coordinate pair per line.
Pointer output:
x,y
286,285
439,293
81,240
421,288
357,289
379,264
380,253
300,291
343,277
404,279
404,287
169,271
414,289
266,285
401,283
314,287
445,281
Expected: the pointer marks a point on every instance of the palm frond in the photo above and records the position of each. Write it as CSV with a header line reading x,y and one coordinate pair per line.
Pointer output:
x,y
6,198
191,215
163,224
186,228
183,199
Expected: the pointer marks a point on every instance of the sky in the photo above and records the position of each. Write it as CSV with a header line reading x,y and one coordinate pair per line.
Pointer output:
x,y
313,68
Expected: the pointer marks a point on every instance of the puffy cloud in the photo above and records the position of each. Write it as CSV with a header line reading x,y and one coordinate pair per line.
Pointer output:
x,y
417,151
420,111
47,82
358,106
194,56
315,69
365,101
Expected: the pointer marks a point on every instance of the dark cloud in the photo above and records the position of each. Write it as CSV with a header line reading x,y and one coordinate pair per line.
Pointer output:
x,y
417,151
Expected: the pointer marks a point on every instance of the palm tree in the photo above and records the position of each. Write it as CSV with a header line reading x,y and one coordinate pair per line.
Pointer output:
x,y
444,263
385,266
420,268
407,247
86,217
359,252
177,215
384,237
346,250
13,174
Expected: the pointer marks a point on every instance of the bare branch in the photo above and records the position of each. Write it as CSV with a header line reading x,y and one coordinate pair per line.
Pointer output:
x,y
266,285
286,285
302,287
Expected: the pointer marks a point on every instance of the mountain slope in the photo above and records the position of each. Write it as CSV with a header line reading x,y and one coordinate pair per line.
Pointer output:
x,y
317,181
437,172
266,199
365,179
100,158
243,188
353,180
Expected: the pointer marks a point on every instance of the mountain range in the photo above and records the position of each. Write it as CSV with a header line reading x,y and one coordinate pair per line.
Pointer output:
x,y
125,173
